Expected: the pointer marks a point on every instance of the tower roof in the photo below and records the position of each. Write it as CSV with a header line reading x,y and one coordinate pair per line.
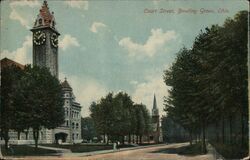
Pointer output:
x,y
65,84
45,18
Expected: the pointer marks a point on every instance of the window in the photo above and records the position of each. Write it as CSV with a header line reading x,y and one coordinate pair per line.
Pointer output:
x,y
77,125
40,21
73,136
67,112
73,125
67,123
53,24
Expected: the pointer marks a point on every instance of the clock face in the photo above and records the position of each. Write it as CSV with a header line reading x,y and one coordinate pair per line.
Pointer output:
x,y
39,38
54,40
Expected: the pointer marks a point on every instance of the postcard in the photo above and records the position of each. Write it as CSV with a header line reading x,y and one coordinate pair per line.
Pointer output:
x,y
101,80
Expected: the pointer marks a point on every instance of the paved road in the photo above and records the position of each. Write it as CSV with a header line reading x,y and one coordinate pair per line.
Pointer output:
x,y
151,153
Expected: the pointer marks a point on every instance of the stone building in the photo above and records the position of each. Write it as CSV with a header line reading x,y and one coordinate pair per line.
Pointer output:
x,y
45,54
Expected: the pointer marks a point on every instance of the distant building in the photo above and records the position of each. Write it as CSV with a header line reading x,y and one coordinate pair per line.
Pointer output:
x,y
156,134
45,54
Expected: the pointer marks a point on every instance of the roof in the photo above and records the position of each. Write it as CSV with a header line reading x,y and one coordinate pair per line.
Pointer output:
x,y
5,62
65,84
46,16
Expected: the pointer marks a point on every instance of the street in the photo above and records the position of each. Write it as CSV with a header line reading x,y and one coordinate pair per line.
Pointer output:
x,y
152,153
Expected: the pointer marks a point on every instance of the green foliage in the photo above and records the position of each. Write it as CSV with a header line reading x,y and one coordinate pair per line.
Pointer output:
x,y
42,97
8,111
88,129
116,116
31,98
209,81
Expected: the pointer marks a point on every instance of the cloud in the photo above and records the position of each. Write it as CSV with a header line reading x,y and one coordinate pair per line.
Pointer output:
x,y
145,91
156,41
22,54
85,91
80,4
96,26
68,41
19,14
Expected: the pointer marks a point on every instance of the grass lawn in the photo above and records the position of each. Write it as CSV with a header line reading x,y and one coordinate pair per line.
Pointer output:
x,y
189,150
81,147
24,150
85,147
235,151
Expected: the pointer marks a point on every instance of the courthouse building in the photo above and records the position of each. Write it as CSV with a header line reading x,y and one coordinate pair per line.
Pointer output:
x,y
45,54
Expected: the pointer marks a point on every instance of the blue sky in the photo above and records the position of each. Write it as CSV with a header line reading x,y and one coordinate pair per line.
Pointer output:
x,y
114,45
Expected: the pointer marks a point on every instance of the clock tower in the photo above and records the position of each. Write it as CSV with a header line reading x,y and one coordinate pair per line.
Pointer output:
x,y
45,40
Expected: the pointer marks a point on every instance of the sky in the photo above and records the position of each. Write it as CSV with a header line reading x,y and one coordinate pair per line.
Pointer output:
x,y
111,46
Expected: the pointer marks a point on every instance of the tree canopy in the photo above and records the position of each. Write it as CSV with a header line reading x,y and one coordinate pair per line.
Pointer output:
x,y
209,81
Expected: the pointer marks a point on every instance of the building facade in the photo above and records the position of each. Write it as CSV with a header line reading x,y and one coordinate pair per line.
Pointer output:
x,y
45,54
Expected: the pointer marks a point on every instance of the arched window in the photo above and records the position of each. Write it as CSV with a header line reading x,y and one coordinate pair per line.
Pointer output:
x,y
73,125
40,21
77,125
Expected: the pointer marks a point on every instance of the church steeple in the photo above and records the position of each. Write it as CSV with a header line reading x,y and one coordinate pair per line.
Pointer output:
x,y
155,111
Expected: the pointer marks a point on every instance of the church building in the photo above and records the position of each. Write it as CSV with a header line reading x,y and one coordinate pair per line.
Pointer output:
x,y
45,54
156,134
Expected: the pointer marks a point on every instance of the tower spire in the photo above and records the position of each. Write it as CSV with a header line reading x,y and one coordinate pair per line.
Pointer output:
x,y
154,104
155,111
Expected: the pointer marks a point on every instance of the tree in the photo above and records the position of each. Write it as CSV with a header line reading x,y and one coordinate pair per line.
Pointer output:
x,y
42,96
9,78
209,81
117,117
88,128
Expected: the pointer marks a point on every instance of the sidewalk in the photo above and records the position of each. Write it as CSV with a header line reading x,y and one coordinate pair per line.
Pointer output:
x,y
84,154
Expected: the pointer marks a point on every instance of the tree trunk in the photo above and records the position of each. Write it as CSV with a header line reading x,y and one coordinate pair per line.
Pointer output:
x,y
140,139
18,135
6,138
26,135
129,138
190,138
230,130
133,138
223,131
242,129
104,138
36,136
123,139
107,140
216,130
136,139
203,138
199,136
